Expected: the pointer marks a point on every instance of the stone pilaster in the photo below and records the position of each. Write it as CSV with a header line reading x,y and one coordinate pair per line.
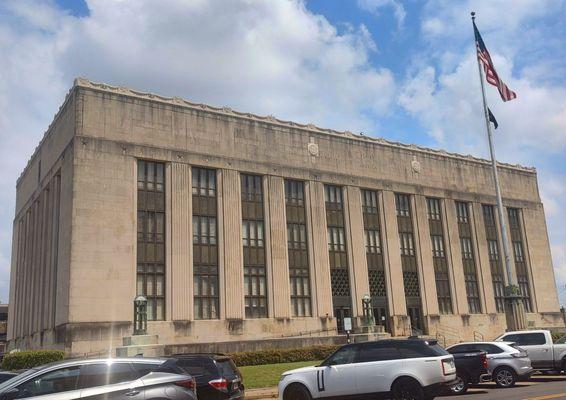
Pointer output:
x,y
181,243
545,298
482,260
278,267
232,257
424,256
392,258
357,261
454,255
319,243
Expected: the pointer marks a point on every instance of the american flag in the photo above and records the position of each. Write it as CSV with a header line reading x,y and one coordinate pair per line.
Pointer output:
x,y
490,73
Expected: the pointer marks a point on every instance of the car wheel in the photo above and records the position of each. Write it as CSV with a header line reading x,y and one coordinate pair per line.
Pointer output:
x,y
407,389
505,377
461,385
297,392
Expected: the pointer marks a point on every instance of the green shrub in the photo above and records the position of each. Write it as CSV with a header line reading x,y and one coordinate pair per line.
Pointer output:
x,y
30,358
277,356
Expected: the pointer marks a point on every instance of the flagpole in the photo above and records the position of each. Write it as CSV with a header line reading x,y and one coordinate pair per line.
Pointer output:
x,y
512,291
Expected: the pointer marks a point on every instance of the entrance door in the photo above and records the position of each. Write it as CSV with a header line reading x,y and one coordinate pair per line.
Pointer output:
x,y
381,317
416,318
340,313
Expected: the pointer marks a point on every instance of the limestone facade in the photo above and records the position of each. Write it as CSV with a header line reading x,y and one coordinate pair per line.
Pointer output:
x,y
284,232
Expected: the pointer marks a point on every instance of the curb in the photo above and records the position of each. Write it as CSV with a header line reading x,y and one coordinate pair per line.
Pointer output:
x,y
261,394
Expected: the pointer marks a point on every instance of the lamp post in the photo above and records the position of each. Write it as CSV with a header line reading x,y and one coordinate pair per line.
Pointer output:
x,y
140,315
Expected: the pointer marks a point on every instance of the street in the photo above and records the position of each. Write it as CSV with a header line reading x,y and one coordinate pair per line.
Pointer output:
x,y
539,387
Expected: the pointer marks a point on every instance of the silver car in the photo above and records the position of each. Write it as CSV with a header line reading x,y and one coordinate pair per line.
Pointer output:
x,y
101,379
506,362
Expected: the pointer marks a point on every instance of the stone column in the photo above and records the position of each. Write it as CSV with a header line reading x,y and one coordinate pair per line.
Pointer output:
x,y
544,295
454,255
357,261
181,243
16,243
393,267
231,244
424,256
278,267
482,260
319,242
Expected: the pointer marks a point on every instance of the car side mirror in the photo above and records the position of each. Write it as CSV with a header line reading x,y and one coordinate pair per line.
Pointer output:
x,y
11,394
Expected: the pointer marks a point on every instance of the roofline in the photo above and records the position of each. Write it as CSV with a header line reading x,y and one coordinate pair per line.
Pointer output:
x,y
270,119
81,82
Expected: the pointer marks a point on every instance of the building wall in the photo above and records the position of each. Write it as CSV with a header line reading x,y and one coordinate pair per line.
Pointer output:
x,y
96,273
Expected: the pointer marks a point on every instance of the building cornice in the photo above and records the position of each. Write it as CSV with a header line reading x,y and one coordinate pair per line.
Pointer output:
x,y
271,120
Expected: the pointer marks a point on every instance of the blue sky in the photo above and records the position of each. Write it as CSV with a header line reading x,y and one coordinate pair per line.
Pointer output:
x,y
402,70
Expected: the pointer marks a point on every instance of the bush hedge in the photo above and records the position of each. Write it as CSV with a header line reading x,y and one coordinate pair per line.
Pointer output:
x,y
277,356
30,358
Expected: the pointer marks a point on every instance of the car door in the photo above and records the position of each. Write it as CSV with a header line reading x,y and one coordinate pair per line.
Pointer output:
x,y
337,376
535,345
110,381
58,384
377,363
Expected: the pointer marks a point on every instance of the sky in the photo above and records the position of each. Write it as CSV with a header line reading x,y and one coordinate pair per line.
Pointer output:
x,y
401,70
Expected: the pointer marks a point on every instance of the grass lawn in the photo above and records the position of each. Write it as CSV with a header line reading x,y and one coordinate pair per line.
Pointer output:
x,y
267,375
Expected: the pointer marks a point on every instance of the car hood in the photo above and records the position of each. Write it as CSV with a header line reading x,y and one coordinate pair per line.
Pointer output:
x,y
300,370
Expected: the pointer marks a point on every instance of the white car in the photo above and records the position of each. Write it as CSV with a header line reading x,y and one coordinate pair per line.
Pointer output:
x,y
413,369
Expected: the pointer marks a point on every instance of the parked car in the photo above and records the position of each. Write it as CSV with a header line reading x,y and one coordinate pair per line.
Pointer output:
x,y
103,378
404,369
5,375
471,368
543,352
506,362
216,375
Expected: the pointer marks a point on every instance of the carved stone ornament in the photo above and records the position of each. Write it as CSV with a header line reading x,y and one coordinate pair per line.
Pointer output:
x,y
313,149
416,166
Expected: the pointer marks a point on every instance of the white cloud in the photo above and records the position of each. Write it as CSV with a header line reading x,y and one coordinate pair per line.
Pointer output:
x,y
252,55
374,6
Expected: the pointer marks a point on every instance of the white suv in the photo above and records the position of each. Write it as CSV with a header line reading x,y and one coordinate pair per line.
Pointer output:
x,y
413,369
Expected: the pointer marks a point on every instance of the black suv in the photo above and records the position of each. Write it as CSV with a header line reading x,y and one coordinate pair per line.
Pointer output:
x,y
216,374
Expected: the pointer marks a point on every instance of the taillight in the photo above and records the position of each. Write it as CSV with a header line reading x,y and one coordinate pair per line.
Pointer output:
x,y
484,360
188,384
220,384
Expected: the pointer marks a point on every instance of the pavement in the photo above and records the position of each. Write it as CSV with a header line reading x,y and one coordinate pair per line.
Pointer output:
x,y
539,387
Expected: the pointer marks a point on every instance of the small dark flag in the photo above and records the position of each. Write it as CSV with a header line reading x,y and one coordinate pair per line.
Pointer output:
x,y
492,118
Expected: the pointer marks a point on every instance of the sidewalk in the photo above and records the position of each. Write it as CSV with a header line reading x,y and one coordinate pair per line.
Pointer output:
x,y
261,394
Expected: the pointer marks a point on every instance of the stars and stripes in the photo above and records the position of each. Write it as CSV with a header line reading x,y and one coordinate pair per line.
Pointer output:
x,y
490,73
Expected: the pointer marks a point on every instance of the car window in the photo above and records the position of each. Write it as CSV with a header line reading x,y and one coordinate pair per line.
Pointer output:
x,y
102,374
377,352
418,349
143,369
461,348
345,355
60,380
492,349
227,368
526,339
198,367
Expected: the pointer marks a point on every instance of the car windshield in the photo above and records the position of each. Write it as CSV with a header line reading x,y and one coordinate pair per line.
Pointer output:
x,y
561,340
23,375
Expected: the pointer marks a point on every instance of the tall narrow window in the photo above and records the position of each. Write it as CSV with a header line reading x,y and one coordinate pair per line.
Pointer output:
x,y
439,256
468,257
255,286
374,256
151,237
495,264
409,260
519,256
205,246
339,274
297,249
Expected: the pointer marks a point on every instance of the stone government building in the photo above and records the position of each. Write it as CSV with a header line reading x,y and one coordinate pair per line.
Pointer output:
x,y
239,227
